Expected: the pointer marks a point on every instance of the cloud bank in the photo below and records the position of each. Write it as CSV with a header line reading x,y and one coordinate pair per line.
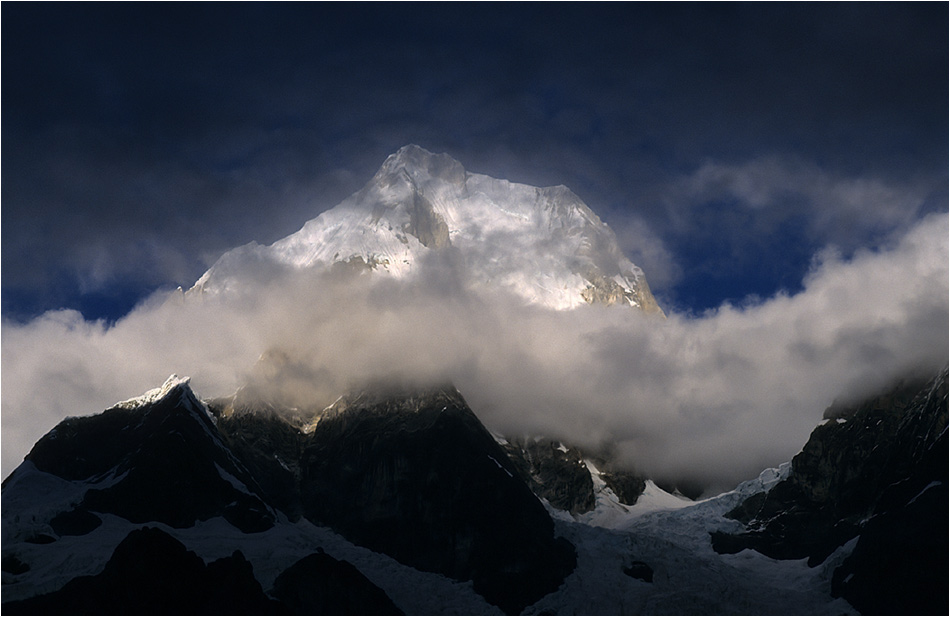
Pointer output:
x,y
713,398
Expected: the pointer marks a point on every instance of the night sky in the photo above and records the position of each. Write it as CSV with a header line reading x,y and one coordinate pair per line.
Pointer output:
x,y
725,144
779,172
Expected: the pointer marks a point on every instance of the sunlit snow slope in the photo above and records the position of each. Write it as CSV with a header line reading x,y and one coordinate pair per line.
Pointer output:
x,y
543,244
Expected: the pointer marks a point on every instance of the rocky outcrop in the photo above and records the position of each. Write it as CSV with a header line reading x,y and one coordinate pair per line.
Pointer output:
x,y
270,449
876,471
411,473
417,476
899,564
161,460
627,486
647,302
553,472
560,474
426,224
602,290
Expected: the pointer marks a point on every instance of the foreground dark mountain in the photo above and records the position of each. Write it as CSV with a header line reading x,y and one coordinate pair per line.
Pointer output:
x,y
398,500
150,572
418,477
415,476
160,459
877,472
164,504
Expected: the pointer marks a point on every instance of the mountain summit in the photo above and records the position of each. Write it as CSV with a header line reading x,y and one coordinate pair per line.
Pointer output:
x,y
542,244
395,498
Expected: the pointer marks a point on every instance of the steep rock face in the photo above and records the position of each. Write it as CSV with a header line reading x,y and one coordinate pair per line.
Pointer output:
x,y
603,290
541,244
899,565
426,224
903,545
626,486
411,473
270,449
553,472
567,478
158,458
877,470
417,476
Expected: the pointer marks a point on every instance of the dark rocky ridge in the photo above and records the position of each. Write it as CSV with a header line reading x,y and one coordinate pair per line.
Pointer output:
x,y
417,476
270,448
161,462
880,476
553,472
557,473
410,473
626,486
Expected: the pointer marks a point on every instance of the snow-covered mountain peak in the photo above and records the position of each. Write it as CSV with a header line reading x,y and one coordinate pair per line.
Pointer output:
x,y
419,163
541,244
173,386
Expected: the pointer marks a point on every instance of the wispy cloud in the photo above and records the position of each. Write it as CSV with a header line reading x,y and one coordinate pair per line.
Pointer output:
x,y
838,208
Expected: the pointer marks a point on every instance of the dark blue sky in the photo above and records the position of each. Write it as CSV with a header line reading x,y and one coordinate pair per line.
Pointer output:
x,y
726,144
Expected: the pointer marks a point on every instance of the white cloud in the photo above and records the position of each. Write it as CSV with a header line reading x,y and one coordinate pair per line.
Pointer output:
x,y
716,397
839,209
